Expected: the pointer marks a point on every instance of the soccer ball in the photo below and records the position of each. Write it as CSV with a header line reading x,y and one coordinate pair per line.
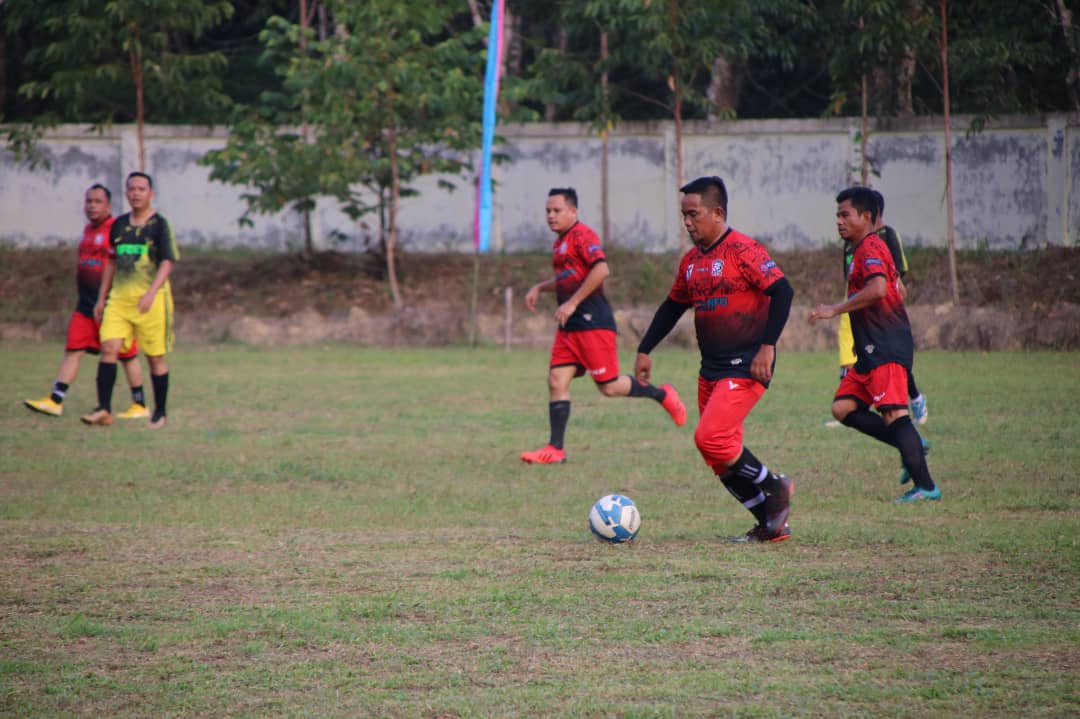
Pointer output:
x,y
615,518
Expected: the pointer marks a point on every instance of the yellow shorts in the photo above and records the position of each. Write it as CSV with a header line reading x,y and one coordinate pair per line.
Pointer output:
x,y
153,330
845,341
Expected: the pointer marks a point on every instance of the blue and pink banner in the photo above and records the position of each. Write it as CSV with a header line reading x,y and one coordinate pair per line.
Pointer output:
x,y
482,216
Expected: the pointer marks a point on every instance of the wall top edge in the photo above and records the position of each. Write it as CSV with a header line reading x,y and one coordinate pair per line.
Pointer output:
x,y
923,123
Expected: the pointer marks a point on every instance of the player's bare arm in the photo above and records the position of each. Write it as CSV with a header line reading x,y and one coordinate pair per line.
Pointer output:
x,y
103,294
593,280
533,295
875,291
147,300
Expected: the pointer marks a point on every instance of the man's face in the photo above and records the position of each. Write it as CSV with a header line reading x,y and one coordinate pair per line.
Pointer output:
x,y
704,224
139,193
850,223
561,215
96,206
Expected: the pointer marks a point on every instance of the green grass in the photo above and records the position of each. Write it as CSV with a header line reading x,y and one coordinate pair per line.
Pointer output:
x,y
342,531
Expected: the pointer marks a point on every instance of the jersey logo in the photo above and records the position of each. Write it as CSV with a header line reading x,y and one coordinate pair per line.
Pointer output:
x,y
870,349
766,266
98,239
732,384
588,317
689,270
879,397
562,248
717,268
872,262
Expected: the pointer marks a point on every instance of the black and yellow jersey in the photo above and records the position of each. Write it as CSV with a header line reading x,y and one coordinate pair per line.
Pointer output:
x,y
139,251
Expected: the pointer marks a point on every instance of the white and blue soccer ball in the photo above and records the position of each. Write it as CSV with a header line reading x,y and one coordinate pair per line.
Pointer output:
x,y
615,518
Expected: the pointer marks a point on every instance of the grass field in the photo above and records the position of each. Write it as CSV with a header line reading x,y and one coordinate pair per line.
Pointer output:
x,y
347,532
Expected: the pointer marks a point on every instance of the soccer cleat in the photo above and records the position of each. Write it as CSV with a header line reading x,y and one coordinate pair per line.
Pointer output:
x,y
674,405
135,411
545,455
778,507
905,476
918,409
761,534
158,421
45,406
99,417
830,423
919,495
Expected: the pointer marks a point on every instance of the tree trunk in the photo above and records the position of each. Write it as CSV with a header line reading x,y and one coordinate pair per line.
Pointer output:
x,y
955,291
1072,79
305,22
140,108
864,160
395,197
605,214
551,110
905,71
723,90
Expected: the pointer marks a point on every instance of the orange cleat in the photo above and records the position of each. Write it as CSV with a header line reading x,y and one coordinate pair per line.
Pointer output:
x,y
545,455
674,405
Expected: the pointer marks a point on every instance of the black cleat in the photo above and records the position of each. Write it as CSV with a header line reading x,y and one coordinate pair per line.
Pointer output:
x,y
778,505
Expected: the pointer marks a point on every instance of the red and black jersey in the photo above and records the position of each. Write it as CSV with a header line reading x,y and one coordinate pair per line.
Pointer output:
x,y
574,254
93,254
726,284
882,330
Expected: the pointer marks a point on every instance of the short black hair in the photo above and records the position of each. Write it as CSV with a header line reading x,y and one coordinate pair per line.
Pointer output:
x,y
712,191
880,203
862,199
568,192
99,186
137,173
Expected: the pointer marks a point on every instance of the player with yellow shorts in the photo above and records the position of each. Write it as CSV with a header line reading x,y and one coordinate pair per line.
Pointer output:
x,y
136,297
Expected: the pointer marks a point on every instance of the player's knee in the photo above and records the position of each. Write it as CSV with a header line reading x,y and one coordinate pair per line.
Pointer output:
x,y
840,410
610,389
717,449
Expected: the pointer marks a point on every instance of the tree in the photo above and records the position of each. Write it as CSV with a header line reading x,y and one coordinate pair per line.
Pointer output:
x,y
121,60
393,93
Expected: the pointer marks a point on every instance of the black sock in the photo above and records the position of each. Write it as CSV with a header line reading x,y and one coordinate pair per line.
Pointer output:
x,y
752,468
137,395
59,389
106,378
869,423
161,393
906,438
559,415
748,493
912,389
637,389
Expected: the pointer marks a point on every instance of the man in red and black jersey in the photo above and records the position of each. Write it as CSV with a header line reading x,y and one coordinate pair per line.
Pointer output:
x,y
741,302
82,332
585,339
884,347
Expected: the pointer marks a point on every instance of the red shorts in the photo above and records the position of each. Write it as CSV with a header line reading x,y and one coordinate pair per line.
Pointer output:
x,y
724,405
885,387
591,351
82,336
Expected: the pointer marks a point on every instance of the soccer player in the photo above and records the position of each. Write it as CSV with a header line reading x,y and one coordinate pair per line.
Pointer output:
x,y
142,250
82,331
585,338
916,399
883,343
741,302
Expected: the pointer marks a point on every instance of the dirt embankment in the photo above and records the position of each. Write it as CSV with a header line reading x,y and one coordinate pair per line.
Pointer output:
x,y
1009,301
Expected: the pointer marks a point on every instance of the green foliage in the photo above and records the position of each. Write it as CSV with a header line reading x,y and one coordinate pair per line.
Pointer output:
x,y
389,76
82,72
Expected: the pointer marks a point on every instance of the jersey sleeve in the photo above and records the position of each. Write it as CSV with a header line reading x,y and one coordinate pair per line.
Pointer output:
x,y
114,235
165,240
756,266
588,248
872,258
680,290
896,249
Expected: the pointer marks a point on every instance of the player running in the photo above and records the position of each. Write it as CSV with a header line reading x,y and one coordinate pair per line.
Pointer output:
x,y
585,339
883,343
741,302
136,283
82,331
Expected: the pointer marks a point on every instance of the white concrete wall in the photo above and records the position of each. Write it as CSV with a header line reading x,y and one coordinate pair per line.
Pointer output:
x,y
1016,183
